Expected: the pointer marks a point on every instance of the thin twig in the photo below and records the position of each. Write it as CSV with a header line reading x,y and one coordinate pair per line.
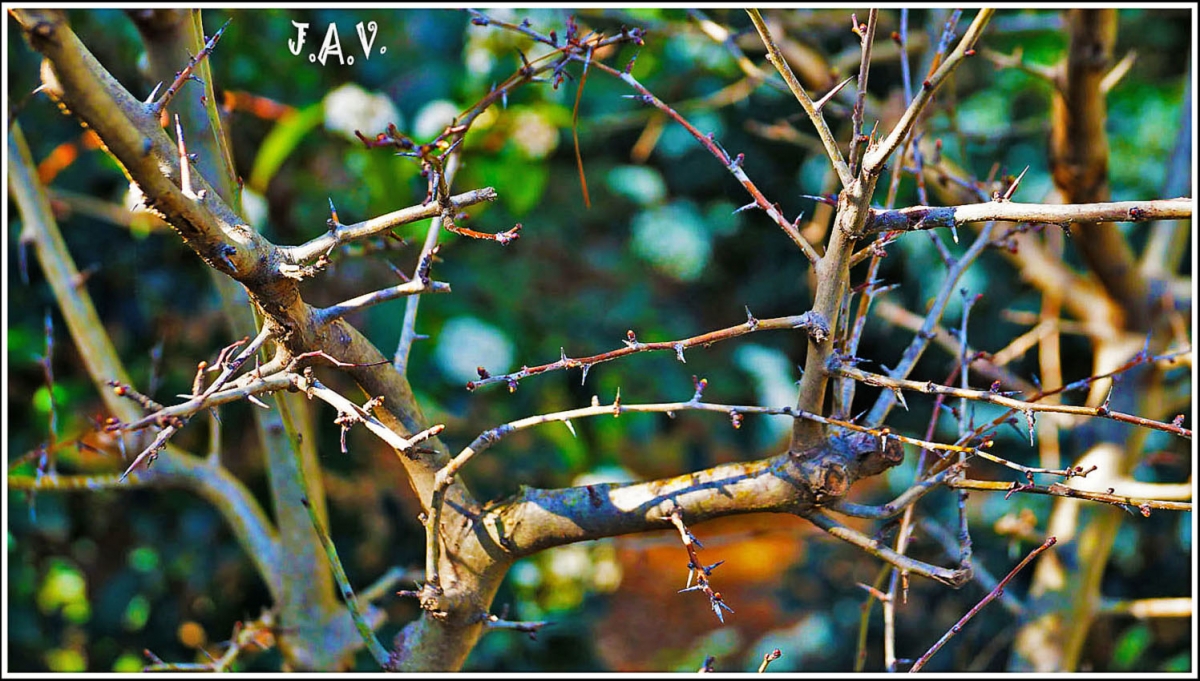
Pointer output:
x,y
916,348
979,606
356,613
879,155
867,38
633,345
1143,505
186,74
732,164
360,230
931,388
408,329
413,287
818,120
926,217
954,578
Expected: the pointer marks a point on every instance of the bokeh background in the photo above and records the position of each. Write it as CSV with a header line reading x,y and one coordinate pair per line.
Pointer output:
x,y
95,578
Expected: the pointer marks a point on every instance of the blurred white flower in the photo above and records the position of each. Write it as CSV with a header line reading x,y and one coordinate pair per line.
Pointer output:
x,y
350,107
467,343
570,562
534,135
602,474
674,239
433,118
638,183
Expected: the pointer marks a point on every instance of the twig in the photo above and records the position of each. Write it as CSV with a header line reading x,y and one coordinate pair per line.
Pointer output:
x,y
776,58
1143,505
341,234
352,413
991,367
864,620
973,611
384,585
768,658
926,217
699,571
408,329
879,155
980,574
954,578
356,613
186,74
723,36
1047,74
931,388
413,287
494,623
867,39
916,348
1145,608
906,498
632,345
732,164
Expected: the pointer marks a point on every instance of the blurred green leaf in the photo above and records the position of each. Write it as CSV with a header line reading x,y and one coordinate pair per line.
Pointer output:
x,y
1130,647
519,183
283,139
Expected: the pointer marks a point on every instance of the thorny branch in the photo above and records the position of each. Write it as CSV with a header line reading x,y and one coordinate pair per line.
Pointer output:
x,y
986,599
924,217
1027,408
806,321
776,58
734,164
209,223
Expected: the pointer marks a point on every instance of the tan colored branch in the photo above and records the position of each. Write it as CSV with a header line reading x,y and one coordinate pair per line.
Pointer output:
x,y
132,134
1146,608
818,120
175,468
342,234
876,157
1079,158
926,217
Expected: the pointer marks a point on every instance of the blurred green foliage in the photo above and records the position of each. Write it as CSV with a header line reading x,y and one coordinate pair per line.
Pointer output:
x,y
96,578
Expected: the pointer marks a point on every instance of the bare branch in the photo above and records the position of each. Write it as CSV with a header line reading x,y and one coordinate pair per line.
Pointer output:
x,y
341,234
954,578
925,217
867,39
807,321
931,388
732,164
1060,490
986,599
876,157
818,120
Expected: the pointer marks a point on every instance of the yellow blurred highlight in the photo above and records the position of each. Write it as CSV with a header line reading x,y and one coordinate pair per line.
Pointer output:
x,y
192,635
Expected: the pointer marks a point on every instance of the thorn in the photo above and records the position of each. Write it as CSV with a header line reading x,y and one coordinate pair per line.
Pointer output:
x,y
333,212
828,201
832,94
750,320
1013,187
148,99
